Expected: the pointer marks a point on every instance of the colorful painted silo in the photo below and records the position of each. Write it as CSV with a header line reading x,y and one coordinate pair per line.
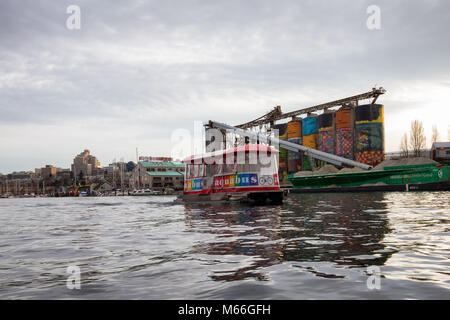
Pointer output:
x,y
310,137
369,134
283,155
326,132
344,133
294,134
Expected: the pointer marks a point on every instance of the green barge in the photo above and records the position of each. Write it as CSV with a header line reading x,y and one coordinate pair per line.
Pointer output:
x,y
423,177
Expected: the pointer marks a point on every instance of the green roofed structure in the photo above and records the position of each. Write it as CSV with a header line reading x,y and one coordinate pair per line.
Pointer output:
x,y
159,175
162,164
165,173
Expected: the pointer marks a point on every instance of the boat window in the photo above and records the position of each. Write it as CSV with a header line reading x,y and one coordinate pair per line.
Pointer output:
x,y
243,165
218,169
209,170
260,166
229,168
201,171
254,167
196,167
246,166
269,168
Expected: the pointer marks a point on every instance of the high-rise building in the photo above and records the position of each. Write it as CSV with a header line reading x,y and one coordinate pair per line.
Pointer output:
x,y
86,164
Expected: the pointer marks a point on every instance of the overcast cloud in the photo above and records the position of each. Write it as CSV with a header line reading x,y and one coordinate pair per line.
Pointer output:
x,y
137,70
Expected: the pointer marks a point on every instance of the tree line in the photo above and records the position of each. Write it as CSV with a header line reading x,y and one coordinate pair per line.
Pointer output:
x,y
416,141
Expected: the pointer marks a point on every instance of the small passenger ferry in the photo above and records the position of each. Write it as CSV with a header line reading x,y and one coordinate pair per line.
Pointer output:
x,y
248,172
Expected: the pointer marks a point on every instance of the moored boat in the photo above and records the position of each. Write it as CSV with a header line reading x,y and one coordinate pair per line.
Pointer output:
x,y
144,192
422,177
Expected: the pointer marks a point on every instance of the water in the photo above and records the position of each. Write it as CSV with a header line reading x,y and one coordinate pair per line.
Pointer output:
x,y
313,246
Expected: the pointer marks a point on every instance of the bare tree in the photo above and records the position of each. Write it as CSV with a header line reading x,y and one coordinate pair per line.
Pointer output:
x,y
417,139
404,146
434,134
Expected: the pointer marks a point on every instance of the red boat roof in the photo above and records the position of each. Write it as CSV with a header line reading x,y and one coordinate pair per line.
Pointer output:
x,y
244,148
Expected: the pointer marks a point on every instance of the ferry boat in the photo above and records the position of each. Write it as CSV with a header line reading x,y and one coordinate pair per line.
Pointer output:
x,y
244,173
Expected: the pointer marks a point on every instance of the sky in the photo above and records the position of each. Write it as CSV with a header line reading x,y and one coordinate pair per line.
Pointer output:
x,y
136,71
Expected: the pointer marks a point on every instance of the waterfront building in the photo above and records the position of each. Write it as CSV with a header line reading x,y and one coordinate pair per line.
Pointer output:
x,y
111,168
63,173
2,184
440,151
150,158
159,174
117,175
21,175
118,166
48,171
104,187
18,183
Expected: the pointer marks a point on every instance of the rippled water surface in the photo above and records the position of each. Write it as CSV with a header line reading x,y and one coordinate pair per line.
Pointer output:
x,y
313,246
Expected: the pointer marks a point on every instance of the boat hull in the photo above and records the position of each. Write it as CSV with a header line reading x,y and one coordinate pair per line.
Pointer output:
x,y
260,197
428,177
433,186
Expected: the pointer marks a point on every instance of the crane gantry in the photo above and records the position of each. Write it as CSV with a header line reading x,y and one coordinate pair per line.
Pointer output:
x,y
277,114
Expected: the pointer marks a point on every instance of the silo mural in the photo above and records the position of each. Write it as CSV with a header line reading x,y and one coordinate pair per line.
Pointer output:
x,y
310,137
344,133
294,133
326,132
369,128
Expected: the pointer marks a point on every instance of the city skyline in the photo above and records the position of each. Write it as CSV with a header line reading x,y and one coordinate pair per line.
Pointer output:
x,y
131,76
82,164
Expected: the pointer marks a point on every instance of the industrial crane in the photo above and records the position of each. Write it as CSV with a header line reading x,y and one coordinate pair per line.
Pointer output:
x,y
277,114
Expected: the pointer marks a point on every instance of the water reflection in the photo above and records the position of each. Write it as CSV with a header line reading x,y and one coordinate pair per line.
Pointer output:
x,y
346,229
312,246
342,228
244,231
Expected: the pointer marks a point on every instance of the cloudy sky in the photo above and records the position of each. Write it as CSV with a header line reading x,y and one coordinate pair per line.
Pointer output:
x,y
138,70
